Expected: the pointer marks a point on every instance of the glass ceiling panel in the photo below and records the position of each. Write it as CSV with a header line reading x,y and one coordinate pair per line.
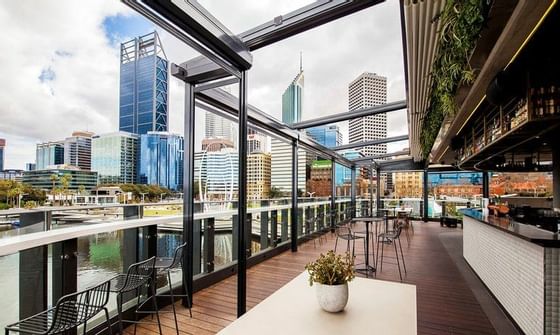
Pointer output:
x,y
241,15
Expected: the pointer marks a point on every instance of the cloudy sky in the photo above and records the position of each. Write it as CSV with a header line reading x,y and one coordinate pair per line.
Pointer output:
x,y
60,65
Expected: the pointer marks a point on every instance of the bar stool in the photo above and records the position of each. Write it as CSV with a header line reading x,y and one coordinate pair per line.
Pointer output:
x,y
391,237
167,265
138,276
71,311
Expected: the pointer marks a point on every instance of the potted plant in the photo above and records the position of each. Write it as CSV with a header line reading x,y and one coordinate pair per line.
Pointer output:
x,y
331,273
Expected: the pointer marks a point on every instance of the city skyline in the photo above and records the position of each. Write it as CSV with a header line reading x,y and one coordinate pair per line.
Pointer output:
x,y
56,66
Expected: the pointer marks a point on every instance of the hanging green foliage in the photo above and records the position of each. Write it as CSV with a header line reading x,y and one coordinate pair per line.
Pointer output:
x,y
461,23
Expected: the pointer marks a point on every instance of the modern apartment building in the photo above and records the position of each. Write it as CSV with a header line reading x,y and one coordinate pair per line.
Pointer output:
x,y
408,184
143,98
281,166
368,90
258,175
115,157
161,159
48,154
77,150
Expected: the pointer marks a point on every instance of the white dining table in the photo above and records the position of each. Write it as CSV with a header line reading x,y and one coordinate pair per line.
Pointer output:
x,y
374,307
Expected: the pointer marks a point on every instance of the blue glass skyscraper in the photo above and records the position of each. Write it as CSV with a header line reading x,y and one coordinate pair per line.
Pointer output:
x,y
328,136
161,159
143,85
2,146
292,100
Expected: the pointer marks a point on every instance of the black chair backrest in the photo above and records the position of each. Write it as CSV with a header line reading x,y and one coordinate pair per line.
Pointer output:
x,y
178,256
143,268
75,309
343,231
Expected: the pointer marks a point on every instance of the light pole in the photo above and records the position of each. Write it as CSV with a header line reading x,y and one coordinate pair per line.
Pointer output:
x,y
161,197
143,194
19,198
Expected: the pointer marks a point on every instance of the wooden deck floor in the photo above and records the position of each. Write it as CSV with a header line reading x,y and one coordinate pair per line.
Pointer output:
x,y
446,305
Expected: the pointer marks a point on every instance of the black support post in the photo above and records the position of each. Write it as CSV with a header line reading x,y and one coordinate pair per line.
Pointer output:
x,y
64,268
188,192
378,191
353,192
273,228
264,226
556,175
333,213
371,200
294,212
209,245
425,196
242,201
485,185
197,247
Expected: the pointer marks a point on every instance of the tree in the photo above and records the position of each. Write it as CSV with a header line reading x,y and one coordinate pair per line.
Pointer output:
x,y
81,190
65,181
275,192
54,180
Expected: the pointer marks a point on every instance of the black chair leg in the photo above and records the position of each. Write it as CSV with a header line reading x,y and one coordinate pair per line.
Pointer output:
x,y
108,321
335,244
397,257
119,311
154,299
172,300
402,255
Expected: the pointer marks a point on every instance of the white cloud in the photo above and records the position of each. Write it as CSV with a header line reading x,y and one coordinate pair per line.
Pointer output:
x,y
67,37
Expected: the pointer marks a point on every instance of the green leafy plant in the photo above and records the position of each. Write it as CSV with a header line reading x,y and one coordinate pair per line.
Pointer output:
x,y
331,269
461,23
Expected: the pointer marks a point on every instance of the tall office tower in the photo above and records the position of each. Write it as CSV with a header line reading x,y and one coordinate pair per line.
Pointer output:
x,y
368,90
258,175
220,127
292,100
328,136
114,157
143,85
48,154
2,146
161,159
216,174
77,150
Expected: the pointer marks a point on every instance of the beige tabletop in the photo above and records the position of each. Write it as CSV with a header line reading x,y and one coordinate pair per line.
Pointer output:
x,y
374,307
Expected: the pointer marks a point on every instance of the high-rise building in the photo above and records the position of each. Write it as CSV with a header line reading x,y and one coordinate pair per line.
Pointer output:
x,y
30,166
2,147
220,127
256,142
161,159
216,144
292,100
216,173
48,154
328,136
115,157
281,166
258,175
408,184
77,150
368,90
143,102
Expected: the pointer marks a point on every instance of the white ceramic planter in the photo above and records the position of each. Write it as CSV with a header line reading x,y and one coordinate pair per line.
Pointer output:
x,y
332,298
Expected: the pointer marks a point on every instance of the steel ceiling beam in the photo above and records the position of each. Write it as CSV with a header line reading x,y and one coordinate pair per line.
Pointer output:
x,y
216,84
403,164
302,19
282,27
373,158
374,110
193,19
373,142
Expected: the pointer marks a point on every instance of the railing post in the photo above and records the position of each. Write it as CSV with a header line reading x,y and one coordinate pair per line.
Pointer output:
x,y
284,227
234,234
378,191
196,256
294,212
33,272
274,228
353,192
264,226
64,268
209,229
333,211
322,215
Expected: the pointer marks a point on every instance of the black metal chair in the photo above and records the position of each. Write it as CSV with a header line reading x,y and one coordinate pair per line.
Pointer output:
x,y
167,265
138,276
345,233
391,237
71,311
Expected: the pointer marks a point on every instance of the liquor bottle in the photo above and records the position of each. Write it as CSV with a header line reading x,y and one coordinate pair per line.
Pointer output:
x,y
541,101
550,100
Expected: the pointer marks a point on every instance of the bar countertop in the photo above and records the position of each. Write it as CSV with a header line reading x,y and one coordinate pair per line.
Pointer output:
x,y
527,232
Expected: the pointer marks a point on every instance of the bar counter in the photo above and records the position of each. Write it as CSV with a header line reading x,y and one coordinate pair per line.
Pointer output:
x,y
520,266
